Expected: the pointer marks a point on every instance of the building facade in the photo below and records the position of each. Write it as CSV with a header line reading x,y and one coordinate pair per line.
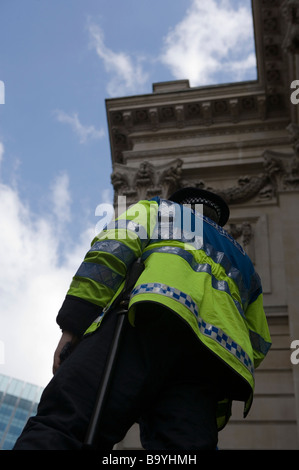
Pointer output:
x,y
18,401
240,140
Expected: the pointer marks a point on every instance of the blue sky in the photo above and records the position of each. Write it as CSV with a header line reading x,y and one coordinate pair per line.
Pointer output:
x,y
59,61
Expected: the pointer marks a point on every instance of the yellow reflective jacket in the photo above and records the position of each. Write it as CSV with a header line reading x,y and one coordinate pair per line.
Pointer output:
x,y
193,267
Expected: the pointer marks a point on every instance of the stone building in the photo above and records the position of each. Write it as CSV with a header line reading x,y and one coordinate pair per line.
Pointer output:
x,y
242,141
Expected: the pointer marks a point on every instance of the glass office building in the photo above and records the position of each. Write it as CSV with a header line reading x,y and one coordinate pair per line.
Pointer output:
x,y
18,401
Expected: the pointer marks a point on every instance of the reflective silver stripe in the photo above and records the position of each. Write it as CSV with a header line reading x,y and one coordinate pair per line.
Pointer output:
x,y
115,248
258,343
205,328
101,274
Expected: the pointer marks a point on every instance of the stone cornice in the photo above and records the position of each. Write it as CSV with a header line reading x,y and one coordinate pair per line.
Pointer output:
x,y
193,132
204,116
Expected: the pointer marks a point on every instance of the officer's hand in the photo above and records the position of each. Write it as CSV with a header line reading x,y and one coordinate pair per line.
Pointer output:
x,y
66,338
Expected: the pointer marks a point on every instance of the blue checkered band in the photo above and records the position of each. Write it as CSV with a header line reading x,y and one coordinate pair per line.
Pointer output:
x,y
205,328
226,342
171,292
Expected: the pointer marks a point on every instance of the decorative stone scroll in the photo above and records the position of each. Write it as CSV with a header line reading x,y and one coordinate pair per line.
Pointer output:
x,y
280,174
243,232
147,180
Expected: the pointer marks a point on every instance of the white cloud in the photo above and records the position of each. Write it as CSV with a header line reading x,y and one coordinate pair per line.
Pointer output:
x,y
34,279
84,133
211,44
61,198
127,73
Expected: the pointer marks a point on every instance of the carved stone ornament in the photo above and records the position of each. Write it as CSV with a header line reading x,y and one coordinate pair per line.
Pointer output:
x,y
244,232
290,10
258,188
247,188
280,174
147,180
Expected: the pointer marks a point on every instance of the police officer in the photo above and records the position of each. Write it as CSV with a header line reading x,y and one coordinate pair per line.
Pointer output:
x,y
195,332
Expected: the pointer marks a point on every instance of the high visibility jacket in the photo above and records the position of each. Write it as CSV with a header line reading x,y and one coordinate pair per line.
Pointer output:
x,y
194,268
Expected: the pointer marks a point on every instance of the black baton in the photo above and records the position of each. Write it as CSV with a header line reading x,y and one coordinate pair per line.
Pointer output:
x,y
120,305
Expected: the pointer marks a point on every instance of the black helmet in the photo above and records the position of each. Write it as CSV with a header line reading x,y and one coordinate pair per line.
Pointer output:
x,y
202,196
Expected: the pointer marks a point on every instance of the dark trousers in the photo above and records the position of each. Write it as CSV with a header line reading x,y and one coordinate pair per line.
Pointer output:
x,y
162,381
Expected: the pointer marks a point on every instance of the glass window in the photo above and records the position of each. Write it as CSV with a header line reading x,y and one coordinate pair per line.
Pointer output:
x,y
9,442
4,381
15,387
25,404
10,400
